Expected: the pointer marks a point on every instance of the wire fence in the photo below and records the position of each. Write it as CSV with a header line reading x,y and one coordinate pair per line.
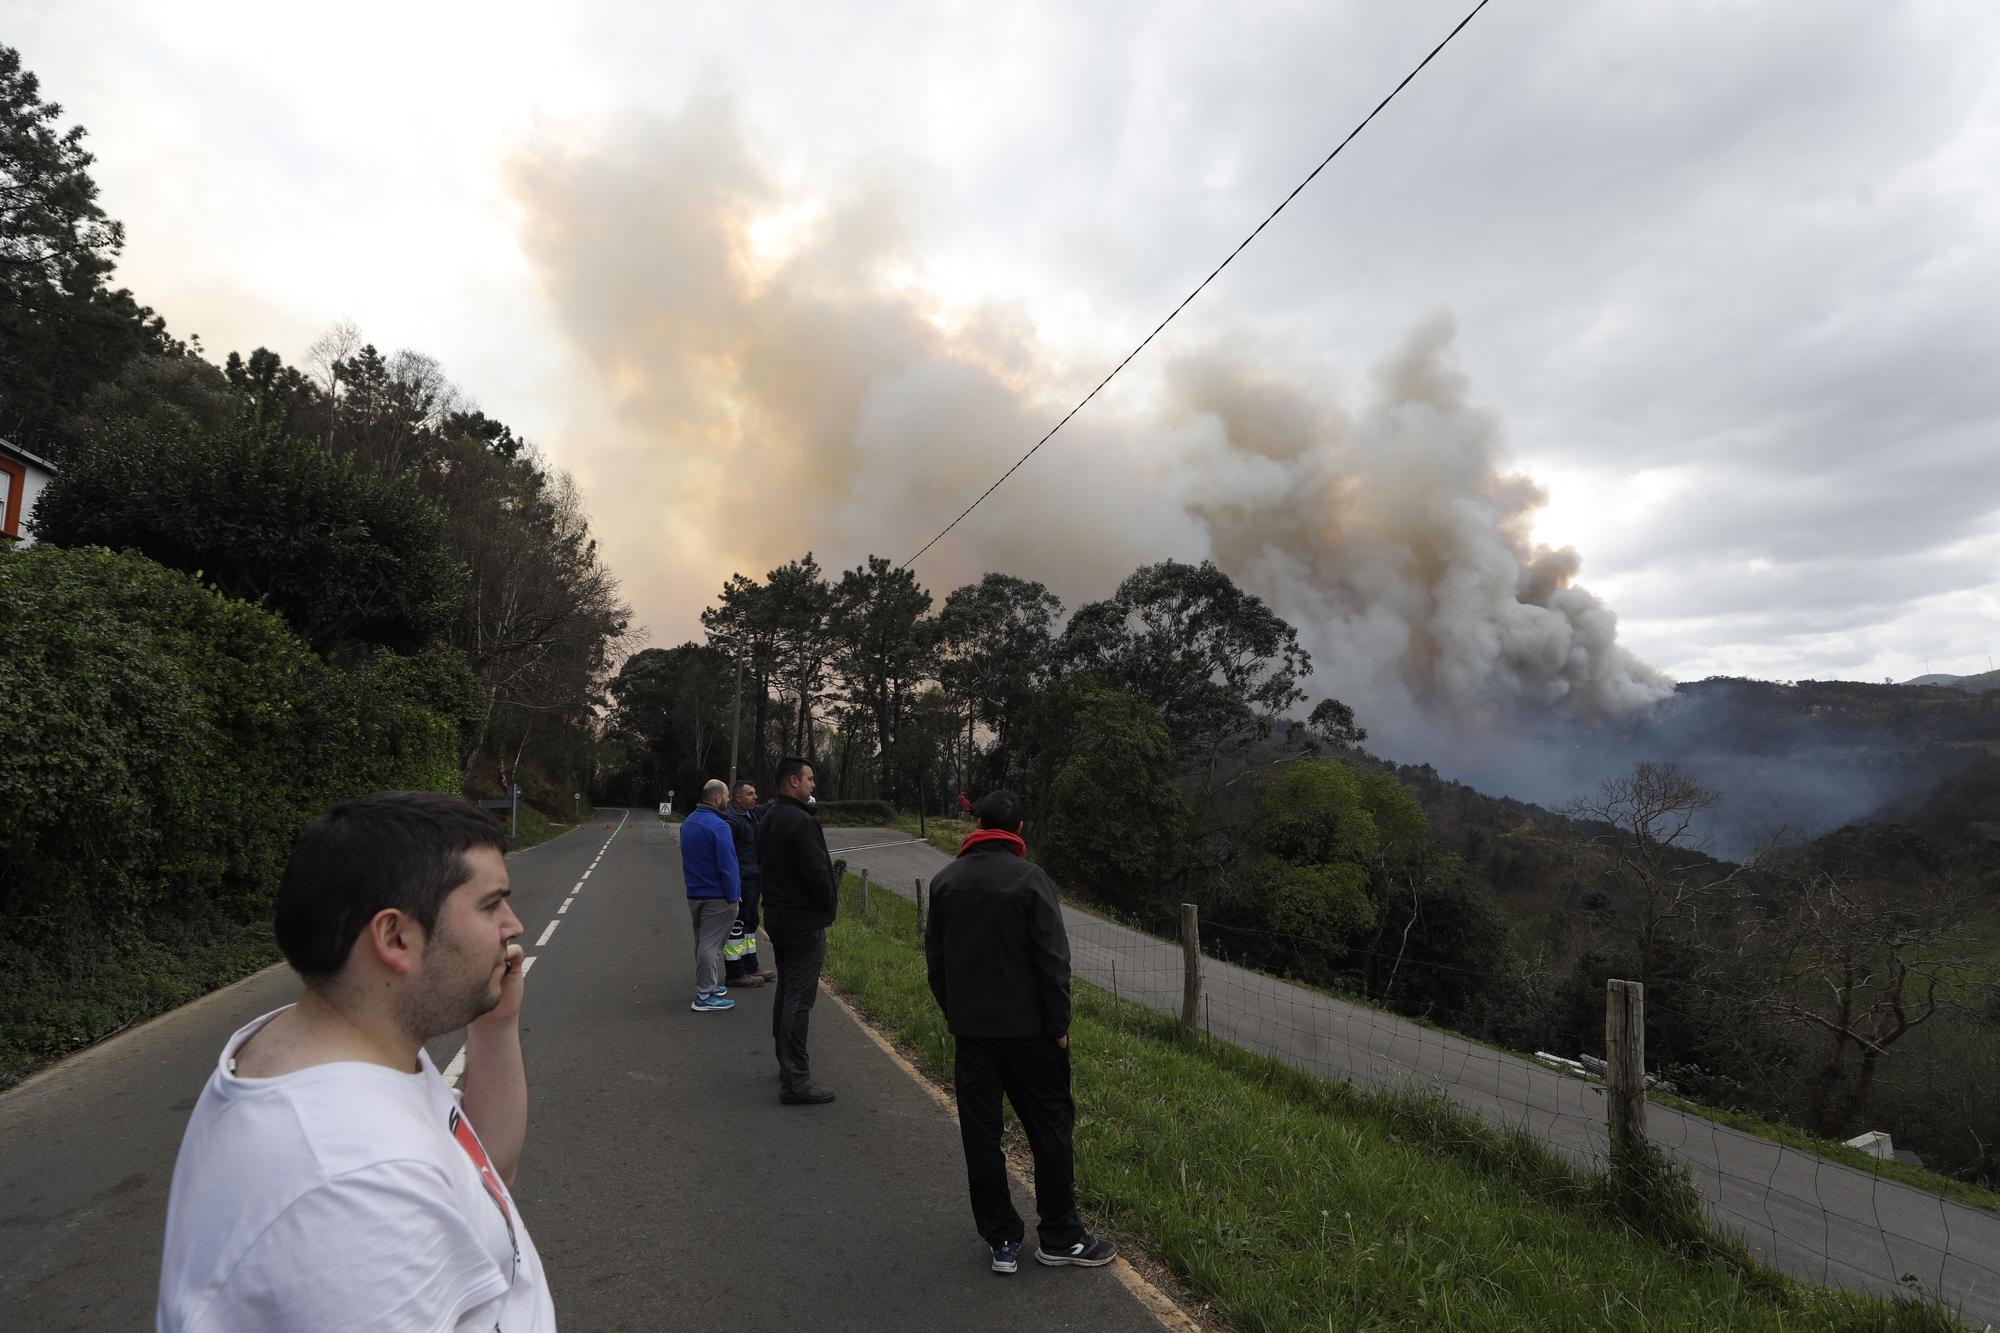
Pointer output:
x,y
1819,1220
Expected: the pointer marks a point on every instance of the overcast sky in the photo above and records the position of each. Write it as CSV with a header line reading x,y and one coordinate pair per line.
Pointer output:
x,y
1724,276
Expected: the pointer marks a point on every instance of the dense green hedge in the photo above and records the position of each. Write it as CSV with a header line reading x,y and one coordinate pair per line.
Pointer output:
x,y
164,745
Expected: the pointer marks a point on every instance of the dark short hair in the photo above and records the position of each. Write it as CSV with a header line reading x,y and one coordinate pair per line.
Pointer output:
x,y
400,849
737,790
788,768
999,810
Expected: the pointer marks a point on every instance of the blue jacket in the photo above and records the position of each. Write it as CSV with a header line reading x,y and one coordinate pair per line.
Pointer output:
x,y
708,856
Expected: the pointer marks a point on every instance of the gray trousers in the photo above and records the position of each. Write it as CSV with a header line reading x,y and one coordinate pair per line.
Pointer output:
x,y
712,918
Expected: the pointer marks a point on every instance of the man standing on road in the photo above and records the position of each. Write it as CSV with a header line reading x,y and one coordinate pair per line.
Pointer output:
x,y
998,957
714,886
739,955
329,1177
800,901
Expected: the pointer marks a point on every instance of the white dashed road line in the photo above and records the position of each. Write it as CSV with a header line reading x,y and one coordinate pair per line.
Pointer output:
x,y
455,1071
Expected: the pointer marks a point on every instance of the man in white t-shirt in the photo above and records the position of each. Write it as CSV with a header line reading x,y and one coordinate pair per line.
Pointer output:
x,y
330,1178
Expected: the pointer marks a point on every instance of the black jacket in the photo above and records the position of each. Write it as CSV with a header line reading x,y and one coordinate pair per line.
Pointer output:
x,y
996,947
799,892
744,830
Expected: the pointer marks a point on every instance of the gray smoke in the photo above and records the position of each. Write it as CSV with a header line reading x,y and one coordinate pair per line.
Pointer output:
x,y
736,407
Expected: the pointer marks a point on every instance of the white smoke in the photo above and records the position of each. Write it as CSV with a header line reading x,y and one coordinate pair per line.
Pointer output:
x,y
737,410
1394,536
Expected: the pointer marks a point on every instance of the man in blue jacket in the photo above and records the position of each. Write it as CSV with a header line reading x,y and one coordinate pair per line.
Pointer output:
x,y
714,886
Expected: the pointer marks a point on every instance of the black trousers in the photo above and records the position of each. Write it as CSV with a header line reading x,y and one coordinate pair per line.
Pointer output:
x,y
745,962
801,954
1033,1072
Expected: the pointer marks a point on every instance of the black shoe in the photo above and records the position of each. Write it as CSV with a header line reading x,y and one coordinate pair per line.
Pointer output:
x,y
1089,1252
812,1096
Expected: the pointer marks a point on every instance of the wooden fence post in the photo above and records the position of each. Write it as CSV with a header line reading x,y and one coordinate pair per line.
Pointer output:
x,y
1190,967
923,907
864,893
1625,1061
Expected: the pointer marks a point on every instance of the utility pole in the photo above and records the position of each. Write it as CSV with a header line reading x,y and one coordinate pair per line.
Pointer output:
x,y
736,719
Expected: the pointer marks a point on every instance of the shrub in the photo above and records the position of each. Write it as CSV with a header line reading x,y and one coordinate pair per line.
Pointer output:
x,y
165,746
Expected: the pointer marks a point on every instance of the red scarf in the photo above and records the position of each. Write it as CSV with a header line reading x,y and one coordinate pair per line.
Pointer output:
x,y
1011,841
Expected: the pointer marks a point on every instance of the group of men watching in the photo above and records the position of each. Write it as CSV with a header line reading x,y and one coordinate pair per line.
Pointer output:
x,y
739,858
331,1178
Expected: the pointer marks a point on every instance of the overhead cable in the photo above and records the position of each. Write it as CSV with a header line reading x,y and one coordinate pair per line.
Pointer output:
x,y
1202,284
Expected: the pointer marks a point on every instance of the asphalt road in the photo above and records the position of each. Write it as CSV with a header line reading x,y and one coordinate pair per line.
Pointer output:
x,y
664,1184
1821,1221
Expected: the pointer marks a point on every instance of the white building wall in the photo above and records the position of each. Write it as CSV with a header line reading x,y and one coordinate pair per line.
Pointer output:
x,y
31,491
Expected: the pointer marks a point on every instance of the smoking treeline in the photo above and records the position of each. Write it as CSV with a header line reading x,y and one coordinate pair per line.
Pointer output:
x,y
768,399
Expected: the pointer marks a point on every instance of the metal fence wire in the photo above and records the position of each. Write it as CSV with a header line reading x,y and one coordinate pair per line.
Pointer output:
x,y
1818,1220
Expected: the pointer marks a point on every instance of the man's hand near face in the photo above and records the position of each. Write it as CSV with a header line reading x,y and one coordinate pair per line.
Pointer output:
x,y
496,1080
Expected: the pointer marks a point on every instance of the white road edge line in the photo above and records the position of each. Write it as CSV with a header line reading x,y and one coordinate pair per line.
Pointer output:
x,y
586,875
527,963
545,934
565,906
1157,1303
577,887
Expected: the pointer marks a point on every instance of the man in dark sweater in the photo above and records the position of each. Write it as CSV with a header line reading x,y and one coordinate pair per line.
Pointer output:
x,y
999,966
800,900
739,954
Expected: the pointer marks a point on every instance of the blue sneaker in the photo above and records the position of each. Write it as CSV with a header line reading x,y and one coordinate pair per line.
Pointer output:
x,y
1090,1252
708,1004
1007,1256
720,990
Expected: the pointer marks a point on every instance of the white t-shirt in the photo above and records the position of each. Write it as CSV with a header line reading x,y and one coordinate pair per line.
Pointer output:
x,y
344,1196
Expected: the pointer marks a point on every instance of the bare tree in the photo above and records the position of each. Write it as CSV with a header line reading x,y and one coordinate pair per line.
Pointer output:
x,y
1654,843
1870,935
327,356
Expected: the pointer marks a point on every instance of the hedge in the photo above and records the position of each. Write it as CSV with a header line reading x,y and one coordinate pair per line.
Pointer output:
x,y
165,744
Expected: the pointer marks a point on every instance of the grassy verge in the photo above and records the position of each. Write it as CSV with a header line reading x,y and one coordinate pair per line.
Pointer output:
x,y
947,834
536,828
1835,1151
1286,1202
944,834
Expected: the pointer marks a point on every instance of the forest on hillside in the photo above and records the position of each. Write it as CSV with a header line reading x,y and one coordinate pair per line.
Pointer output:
x,y
1839,978
255,588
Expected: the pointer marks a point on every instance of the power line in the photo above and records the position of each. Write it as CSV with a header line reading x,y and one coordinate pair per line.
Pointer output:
x,y
1202,284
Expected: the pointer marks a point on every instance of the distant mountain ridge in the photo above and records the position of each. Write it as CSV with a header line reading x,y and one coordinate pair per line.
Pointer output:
x,y
1979,684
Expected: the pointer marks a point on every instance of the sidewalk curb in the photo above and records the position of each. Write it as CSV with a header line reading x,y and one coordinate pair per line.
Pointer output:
x,y
1158,1304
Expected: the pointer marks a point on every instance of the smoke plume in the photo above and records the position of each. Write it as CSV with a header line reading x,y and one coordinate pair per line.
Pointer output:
x,y
759,375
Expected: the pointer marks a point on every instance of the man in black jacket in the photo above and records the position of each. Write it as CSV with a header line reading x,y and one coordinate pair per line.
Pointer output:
x,y
800,901
999,966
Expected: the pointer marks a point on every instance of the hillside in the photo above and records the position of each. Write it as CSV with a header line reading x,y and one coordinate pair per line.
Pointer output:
x,y
1979,684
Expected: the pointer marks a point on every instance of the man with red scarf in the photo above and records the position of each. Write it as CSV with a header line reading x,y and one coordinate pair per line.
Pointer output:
x,y
999,966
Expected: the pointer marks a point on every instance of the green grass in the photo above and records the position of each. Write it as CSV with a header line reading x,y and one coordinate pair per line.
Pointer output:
x,y
1287,1202
1835,1151
944,834
536,828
